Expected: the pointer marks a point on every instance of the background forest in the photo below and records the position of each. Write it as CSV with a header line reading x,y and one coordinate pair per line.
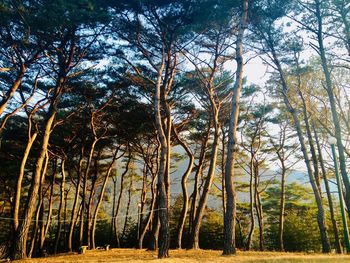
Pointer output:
x,y
148,124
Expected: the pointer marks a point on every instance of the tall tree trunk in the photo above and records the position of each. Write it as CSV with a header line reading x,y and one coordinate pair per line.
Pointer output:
x,y
329,88
31,140
321,219
230,215
162,196
20,243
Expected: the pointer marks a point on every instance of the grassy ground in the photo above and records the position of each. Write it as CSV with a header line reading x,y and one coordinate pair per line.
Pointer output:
x,y
176,256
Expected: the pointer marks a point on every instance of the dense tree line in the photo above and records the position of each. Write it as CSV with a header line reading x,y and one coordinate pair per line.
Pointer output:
x,y
106,107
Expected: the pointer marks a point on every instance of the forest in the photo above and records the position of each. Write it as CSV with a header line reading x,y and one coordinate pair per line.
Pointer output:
x,y
163,124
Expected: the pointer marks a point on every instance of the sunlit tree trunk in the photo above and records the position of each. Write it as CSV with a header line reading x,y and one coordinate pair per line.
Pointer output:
x,y
230,215
332,102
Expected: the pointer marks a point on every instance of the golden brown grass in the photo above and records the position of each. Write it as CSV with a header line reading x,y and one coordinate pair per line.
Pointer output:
x,y
177,256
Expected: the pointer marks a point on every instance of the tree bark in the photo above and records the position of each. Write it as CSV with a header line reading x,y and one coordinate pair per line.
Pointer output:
x,y
230,215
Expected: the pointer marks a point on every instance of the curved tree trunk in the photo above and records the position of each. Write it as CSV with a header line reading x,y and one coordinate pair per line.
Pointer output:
x,y
184,178
100,198
194,239
31,140
21,236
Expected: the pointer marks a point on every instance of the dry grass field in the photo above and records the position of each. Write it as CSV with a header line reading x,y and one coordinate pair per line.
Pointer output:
x,y
177,256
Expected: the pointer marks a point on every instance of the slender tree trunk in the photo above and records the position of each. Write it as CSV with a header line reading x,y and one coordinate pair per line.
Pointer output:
x,y
45,227
100,198
31,140
309,136
40,208
184,178
83,202
75,202
258,205
282,206
127,208
230,215
223,162
197,176
61,205
207,185
329,88
111,234
337,242
251,204
116,226
88,225
151,213
321,220
162,196
20,243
